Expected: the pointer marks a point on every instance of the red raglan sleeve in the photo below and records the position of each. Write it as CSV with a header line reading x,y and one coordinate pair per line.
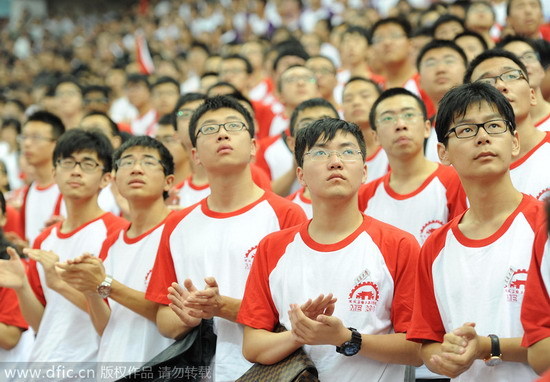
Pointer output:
x,y
426,323
366,192
10,314
288,213
535,309
257,308
32,270
164,272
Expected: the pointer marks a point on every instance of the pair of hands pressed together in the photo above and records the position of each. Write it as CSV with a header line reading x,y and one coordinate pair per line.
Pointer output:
x,y
460,348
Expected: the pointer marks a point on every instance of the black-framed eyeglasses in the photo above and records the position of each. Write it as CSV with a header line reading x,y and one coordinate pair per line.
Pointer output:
x,y
184,113
509,76
146,162
87,165
213,128
469,130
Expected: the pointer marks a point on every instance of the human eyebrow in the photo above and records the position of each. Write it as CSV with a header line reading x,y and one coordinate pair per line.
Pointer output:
x,y
472,121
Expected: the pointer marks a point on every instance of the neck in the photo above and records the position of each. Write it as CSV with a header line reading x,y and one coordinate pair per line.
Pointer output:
x,y
182,171
398,73
334,219
529,135
43,175
491,197
542,109
143,109
73,120
370,138
80,212
231,191
199,176
360,69
410,167
145,215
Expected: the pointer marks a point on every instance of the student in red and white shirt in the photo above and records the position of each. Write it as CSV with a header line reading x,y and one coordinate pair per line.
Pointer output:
x,y
208,248
357,100
55,310
347,270
417,195
471,272
530,54
144,172
508,74
15,339
535,311
41,199
276,153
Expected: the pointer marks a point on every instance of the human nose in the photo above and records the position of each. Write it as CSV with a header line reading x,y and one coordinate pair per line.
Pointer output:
x,y
137,167
482,135
335,159
222,133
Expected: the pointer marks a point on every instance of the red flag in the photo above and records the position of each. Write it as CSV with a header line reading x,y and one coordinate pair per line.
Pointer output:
x,y
144,59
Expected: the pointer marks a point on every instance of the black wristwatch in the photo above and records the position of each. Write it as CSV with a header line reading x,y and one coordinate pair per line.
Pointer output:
x,y
352,346
496,356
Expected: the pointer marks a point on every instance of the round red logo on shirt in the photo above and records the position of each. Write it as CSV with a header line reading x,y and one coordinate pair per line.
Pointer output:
x,y
515,286
364,297
428,228
249,257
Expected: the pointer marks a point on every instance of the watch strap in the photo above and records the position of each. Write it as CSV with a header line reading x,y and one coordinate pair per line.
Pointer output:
x,y
495,346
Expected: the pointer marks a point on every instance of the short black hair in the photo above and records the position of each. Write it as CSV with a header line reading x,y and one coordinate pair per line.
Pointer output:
x,y
470,33
437,44
356,29
309,104
78,140
70,80
166,80
444,19
49,118
17,102
200,45
402,22
325,129
295,49
236,56
393,92
185,99
492,53
514,38
220,84
363,79
456,101
112,124
137,78
241,97
215,103
13,123
105,90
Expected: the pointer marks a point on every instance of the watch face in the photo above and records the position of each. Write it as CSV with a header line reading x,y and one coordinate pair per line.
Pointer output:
x,y
493,361
104,291
351,348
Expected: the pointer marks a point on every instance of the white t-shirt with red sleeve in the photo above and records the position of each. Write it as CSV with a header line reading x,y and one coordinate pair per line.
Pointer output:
x,y
377,164
299,198
370,272
198,242
463,280
439,199
529,173
66,333
128,336
535,311
190,193
10,314
39,204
